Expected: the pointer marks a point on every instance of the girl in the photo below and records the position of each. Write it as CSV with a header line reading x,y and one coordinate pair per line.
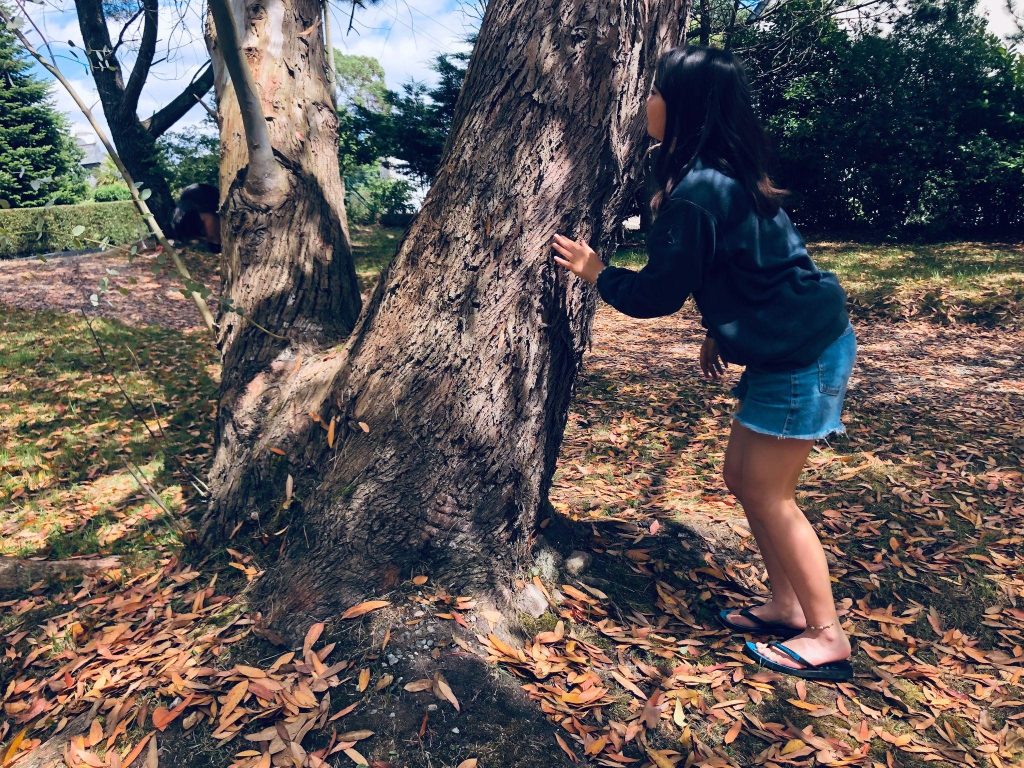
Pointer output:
x,y
719,233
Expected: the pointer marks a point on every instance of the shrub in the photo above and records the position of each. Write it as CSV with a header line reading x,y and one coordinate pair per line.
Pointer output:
x,y
110,193
25,231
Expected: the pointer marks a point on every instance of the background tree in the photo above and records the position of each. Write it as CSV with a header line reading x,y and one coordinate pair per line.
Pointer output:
x,y
39,160
412,125
361,89
134,138
915,129
190,155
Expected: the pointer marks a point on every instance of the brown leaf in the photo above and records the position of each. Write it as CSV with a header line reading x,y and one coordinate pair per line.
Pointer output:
x,y
364,607
446,690
355,735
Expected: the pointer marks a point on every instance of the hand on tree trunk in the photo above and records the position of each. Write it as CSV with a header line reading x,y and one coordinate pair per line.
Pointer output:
x,y
580,258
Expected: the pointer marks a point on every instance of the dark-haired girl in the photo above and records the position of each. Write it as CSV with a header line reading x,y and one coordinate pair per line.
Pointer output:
x,y
720,234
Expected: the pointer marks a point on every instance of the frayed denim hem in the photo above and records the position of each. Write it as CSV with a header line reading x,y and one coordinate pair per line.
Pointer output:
x,y
841,430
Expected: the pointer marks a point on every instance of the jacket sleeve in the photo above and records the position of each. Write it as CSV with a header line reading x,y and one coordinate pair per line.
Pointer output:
x,y
680,246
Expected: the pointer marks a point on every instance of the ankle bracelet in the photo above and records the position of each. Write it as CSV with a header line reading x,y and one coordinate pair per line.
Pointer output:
x,y
821,626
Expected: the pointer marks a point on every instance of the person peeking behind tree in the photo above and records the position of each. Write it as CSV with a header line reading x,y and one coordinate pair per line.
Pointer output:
x,y
196,216
720,234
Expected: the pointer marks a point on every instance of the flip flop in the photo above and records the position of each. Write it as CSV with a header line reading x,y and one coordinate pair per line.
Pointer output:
x,y
760,625
832,670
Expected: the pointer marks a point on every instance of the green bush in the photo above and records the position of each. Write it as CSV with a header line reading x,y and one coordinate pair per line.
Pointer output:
x,y
110,193
25,231
369,197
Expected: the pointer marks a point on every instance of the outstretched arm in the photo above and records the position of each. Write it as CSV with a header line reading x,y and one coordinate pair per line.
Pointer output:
x,y
680,245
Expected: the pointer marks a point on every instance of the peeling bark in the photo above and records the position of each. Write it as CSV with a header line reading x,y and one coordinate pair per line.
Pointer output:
x,y
463,364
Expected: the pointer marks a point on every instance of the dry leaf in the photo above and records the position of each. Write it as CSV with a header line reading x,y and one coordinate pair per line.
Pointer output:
x,y
364,607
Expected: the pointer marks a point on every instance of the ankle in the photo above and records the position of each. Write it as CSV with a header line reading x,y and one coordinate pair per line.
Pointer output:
x,y
828,632
789,605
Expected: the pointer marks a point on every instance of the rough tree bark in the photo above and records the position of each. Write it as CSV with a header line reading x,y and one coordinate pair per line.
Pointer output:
x,y
425,441
135,139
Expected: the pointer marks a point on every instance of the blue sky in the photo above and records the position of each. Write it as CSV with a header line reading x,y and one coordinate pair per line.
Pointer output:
x,y
404,35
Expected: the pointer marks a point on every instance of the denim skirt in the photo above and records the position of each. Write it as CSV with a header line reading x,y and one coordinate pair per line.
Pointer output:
x,y
803,404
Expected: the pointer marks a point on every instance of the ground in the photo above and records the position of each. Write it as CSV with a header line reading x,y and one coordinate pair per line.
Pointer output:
x,y
105,415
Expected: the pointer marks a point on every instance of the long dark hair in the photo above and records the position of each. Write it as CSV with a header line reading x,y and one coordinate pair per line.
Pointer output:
x,y
708,113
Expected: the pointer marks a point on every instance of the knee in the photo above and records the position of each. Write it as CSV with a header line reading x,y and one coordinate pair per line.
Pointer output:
x,y
734,482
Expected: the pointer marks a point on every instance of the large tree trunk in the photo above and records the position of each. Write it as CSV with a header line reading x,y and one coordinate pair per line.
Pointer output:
x,y
425,443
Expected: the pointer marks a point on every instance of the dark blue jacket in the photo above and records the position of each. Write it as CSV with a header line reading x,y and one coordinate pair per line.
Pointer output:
x,y
759,293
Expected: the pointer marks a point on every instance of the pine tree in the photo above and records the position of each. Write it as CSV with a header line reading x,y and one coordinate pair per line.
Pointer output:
x,y
39,160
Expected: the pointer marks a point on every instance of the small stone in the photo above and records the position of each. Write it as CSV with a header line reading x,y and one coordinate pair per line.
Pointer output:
x,y
417,614
455,730
577,562
531,600
392,659
432,707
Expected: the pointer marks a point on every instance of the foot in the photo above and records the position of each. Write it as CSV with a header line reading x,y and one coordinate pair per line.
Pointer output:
x,y
818,646
771,611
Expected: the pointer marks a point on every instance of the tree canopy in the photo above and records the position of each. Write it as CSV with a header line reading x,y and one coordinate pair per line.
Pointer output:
x,y
39,160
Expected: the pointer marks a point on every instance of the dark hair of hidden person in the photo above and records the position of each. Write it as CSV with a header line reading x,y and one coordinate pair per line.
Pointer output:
x,y
195,216
709,113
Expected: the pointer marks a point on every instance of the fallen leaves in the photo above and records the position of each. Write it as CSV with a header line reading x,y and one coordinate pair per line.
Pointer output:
x,y
363,608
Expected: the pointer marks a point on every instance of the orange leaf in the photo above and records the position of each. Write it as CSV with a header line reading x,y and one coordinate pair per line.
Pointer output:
x,y
364,679
364,607
565,748
312,635
733,732
446,690
13,747
136,750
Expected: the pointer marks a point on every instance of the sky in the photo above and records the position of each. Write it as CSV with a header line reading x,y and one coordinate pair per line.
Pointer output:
x,y
404,35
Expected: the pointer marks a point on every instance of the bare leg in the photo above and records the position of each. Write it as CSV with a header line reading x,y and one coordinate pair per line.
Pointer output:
x,y
783,606
771,468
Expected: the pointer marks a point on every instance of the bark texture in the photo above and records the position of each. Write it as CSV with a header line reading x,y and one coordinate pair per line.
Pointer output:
x,y
426,443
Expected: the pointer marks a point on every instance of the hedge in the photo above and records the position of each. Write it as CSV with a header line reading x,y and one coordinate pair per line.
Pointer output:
x,y
27,231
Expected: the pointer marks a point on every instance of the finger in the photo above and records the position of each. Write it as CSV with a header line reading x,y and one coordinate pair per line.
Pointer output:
x,y
564,251
564,263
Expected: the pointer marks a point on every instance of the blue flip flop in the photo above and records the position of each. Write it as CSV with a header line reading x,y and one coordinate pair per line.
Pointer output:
x,y
760,625
832,670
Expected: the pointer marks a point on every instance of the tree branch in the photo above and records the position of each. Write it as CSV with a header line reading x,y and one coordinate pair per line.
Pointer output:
x,y
150,21
264,172
106,70
162,120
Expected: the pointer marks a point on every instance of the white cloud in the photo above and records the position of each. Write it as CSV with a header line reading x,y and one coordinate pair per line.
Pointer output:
x,y
403,36
1000,22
